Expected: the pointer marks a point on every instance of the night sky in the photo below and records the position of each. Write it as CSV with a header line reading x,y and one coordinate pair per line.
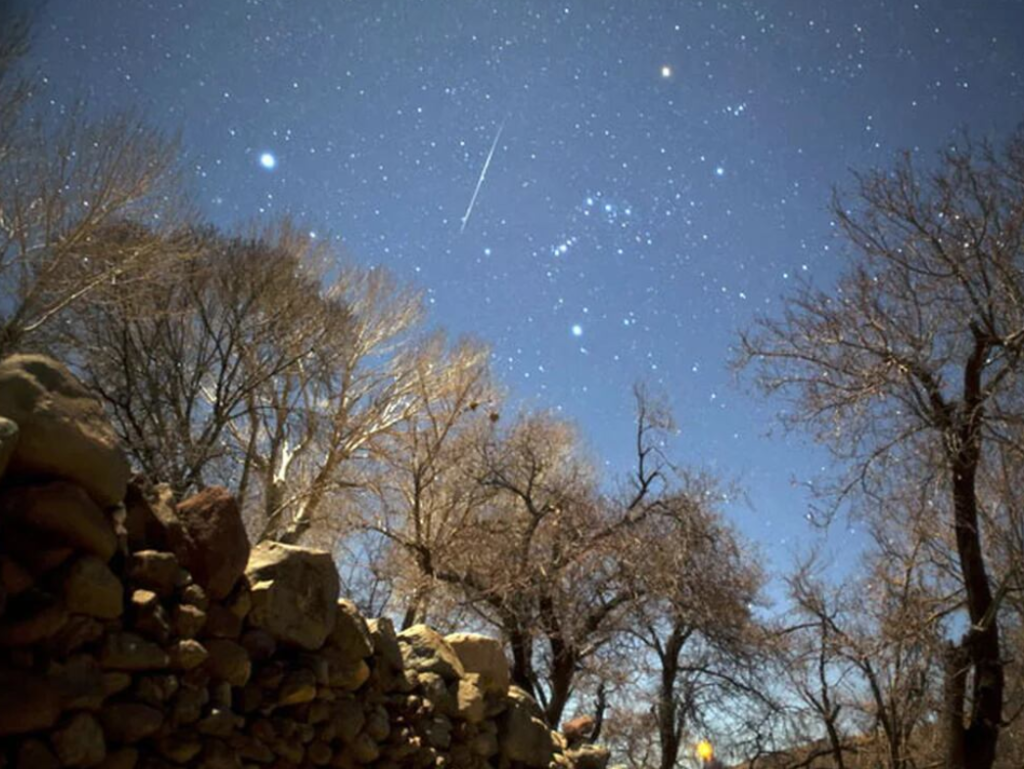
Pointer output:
x,y
656,172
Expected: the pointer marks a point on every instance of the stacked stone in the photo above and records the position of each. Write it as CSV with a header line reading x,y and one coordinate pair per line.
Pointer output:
x,y
135,632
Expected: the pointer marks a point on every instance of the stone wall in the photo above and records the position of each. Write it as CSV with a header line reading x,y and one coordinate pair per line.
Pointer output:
x,y
136,632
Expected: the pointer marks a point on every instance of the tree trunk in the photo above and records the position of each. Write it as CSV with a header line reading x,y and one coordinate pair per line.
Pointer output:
x,y
955,668
563,670
981,642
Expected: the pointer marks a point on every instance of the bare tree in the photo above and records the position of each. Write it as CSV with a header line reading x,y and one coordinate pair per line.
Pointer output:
x,y
695,584
180,356
909,368
361,388
422,491
61,188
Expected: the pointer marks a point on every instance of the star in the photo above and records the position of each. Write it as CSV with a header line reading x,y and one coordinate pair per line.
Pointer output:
x,y
577,330
268,161
666,71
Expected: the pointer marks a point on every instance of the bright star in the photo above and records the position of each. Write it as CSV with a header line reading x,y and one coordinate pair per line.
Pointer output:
x,y
666,71
577,330
720,171
268,161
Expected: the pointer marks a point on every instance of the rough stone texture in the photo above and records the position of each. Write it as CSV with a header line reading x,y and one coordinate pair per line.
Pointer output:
x,y
92,589
156,571
578,730
63,432
143,649
228,661
351,635
294,593
62,511
28,702
215,548
425,650
526,737
80,742
8,442
589,757
127,651
484,656
150,518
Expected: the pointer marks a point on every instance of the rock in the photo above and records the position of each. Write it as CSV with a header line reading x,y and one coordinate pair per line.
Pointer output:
x,y
578,730
220,723
385,642
425,650
148,615
589,757
114,682
150,520
364,750
13,577
155,690
79,683
193,595
35,626
260,644
92,589
28,702
351,635
129,722
155,570
62,510
187,620
348,676
294,593
76,633
215,548
348,719
485,744
125,758
526,737
127,651
62,430
80,742
221,622
319,753
187,654
298,686
188,705
35,754
8,442
179,748
470,699
228,661
484,656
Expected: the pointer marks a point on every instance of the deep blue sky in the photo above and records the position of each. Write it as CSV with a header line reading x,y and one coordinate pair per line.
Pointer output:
x,y
662,173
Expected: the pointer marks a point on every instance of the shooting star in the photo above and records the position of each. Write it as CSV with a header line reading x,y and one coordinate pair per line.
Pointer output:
x,y
480,181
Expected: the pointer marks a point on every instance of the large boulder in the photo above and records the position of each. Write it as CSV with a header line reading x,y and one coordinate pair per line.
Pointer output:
x,y
482,655
64,512
150,518
526,738
93,589
62,430
425,651
294,593
351,635
215,547
8,442
589,757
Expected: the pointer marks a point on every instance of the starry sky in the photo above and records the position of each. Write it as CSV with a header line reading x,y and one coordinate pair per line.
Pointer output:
x,y
656,172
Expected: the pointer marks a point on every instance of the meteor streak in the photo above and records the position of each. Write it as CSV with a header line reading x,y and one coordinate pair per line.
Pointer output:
x,y
480,181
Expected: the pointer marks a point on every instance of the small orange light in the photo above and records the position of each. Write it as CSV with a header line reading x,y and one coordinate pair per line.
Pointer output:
x,y
705,752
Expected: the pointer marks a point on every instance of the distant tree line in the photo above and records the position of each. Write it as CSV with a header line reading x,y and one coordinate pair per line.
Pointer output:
x,y
263,360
